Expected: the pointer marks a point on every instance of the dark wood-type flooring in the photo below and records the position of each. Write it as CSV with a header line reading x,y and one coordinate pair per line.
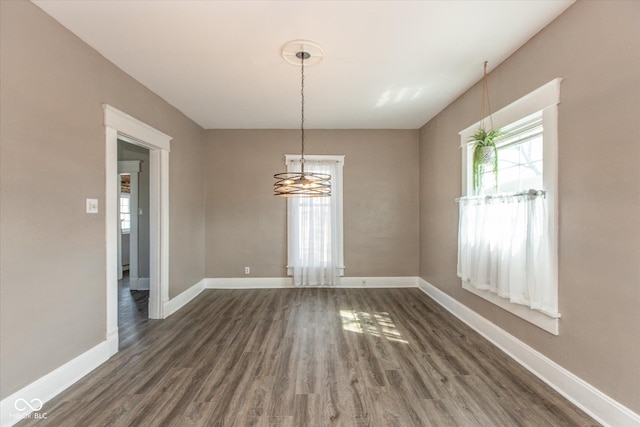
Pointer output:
x,y
310,357
133,313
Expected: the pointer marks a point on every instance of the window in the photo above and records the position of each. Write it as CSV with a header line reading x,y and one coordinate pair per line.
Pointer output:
x,y
125,213
314,227
507,236
520,158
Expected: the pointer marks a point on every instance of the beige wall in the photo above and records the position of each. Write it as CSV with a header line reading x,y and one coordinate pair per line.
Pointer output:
x,y
246,224
52,157
595,48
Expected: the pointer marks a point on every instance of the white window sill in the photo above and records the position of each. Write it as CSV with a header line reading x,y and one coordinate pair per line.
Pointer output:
x,y
547,321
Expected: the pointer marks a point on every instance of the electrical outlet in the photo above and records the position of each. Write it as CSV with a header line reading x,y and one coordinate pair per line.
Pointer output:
x,y
247,270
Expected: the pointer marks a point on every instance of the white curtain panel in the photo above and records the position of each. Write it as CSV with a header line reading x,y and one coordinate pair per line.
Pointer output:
x,y
503,247
312,232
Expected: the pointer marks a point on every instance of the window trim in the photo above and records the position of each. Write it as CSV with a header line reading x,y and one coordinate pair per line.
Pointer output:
x,y
546,99
288,158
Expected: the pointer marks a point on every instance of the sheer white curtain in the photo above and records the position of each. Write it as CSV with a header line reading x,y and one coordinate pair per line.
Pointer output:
x,y
314,247
504,248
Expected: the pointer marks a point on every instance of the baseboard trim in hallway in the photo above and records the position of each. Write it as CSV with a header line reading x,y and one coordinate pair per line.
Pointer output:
x,y
598,405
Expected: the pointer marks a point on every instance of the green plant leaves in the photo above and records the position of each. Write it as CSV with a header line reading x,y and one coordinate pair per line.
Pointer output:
x,y
481,139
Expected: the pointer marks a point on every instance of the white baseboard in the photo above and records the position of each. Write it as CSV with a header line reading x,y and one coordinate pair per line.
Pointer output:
x,y
603,408
144,283
113,341
133,283
139,283
48,386
285,282
175,304
248,283
379,282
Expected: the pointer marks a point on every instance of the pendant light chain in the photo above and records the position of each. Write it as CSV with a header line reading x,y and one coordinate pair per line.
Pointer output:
x,y
302,108
302,184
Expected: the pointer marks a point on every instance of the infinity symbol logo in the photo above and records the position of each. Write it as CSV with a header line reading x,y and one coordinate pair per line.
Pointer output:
x,y
22,404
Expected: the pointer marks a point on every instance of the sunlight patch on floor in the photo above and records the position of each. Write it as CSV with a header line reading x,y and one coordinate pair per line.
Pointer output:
x,y
377,324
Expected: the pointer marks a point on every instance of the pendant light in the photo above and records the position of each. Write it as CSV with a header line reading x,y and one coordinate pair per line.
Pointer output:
x,y
303,183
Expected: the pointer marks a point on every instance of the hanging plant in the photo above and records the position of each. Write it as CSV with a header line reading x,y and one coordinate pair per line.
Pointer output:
x,y
485,152
485,155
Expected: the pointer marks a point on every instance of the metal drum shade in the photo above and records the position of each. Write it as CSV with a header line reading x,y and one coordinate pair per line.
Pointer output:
x,y
302,184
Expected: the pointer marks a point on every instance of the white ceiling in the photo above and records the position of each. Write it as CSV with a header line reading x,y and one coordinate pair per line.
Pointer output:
x,y
387,64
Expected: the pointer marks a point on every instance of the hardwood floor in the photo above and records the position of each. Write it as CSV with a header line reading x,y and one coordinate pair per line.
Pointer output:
x,y
133,313
310,357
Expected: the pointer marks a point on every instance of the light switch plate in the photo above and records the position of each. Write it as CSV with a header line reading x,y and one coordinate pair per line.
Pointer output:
x,y
92,205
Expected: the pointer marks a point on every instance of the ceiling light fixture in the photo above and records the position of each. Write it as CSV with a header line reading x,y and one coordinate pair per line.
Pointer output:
x,y
303,183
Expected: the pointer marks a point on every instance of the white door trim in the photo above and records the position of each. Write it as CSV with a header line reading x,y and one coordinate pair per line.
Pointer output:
x,y
119,125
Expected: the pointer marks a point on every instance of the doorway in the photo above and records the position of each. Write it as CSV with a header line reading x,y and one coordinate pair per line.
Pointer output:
x,y
133,241
121,126
133,214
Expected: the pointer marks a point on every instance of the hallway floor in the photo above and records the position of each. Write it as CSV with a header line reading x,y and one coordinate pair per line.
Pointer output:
x,y
133,313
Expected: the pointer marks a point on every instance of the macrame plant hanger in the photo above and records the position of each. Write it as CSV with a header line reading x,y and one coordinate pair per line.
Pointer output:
x,y
485,152
485,99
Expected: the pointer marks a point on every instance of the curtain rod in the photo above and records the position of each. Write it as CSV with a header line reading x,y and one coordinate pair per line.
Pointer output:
x,y
531,193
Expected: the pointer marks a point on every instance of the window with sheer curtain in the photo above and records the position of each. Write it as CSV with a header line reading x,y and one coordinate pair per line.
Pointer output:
x,y
314,227
507,234
125,213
